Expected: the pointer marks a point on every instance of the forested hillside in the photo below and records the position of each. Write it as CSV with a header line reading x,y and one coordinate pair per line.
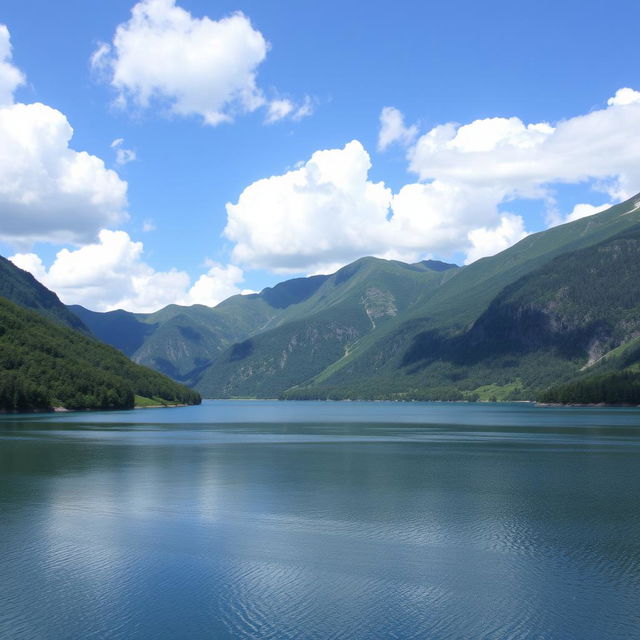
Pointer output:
x,y
45,365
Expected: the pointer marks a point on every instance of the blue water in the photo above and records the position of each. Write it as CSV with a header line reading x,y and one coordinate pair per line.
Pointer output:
x,y
321,520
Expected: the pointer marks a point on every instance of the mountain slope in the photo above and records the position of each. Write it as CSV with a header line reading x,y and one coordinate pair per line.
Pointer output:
x,y
44,364
174,341
505,326
22,288
357,301
179,341
183,341
400,361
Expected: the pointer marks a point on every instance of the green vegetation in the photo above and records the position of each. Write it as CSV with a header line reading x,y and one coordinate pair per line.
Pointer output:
x,y
555,308
431,342
147,403
621,387
342,311
22,288
499,393
199,345
45,365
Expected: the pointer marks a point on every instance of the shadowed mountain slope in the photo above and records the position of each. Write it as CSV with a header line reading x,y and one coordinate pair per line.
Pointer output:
x,y
21,287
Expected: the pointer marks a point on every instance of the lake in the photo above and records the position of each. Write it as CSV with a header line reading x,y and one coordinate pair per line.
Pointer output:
x,y
321,520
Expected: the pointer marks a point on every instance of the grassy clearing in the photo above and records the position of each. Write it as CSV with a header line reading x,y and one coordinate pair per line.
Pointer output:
x,y
147,403
497,392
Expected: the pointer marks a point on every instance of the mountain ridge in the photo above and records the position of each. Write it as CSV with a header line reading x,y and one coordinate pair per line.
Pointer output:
x,y
379,328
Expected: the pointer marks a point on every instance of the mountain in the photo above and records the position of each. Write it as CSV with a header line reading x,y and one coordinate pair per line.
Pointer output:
x,y
44,364
469,337
179,340
23,289
173,341
542,313
357,301
424,354
182,342
49,358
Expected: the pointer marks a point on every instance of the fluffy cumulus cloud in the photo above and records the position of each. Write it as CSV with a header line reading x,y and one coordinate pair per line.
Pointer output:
x,y
327,212
217,284
323,212
624,96
112,274
393,129
194,66
489,241
48,191
523,160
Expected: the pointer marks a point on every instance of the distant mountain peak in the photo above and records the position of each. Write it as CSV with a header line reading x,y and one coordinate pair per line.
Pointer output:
x,y
438,265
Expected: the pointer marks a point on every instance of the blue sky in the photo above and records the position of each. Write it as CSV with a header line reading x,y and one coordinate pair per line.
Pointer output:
x,y
450,193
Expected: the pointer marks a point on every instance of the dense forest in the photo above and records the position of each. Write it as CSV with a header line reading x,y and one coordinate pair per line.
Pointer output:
x,y
44,364
618,387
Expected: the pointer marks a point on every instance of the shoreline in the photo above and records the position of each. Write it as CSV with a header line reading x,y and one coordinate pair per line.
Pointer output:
x,y
628,405
542,405
53,410
165,406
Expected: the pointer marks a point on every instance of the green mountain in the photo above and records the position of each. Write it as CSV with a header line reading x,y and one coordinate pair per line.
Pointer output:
x,y
23,289
49,359
550,309
182,342
44,364
179,341
358,301
173,341
463,341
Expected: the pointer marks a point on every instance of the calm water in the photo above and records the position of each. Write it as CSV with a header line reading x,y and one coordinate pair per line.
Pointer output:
x,y
321,520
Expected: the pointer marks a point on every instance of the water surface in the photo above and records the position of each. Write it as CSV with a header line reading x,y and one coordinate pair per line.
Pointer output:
x,y
321,520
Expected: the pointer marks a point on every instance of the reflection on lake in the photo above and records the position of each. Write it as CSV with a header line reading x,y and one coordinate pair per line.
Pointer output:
x,y
321,520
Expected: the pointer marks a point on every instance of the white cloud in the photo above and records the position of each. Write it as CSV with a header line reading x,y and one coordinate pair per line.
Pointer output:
x,y
435,218
194,66
624,96
281,108
489,241
148,226
327,212
584,210
322,212
48,191
123,156
522,160
219,283
392,129
111,274
10,76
